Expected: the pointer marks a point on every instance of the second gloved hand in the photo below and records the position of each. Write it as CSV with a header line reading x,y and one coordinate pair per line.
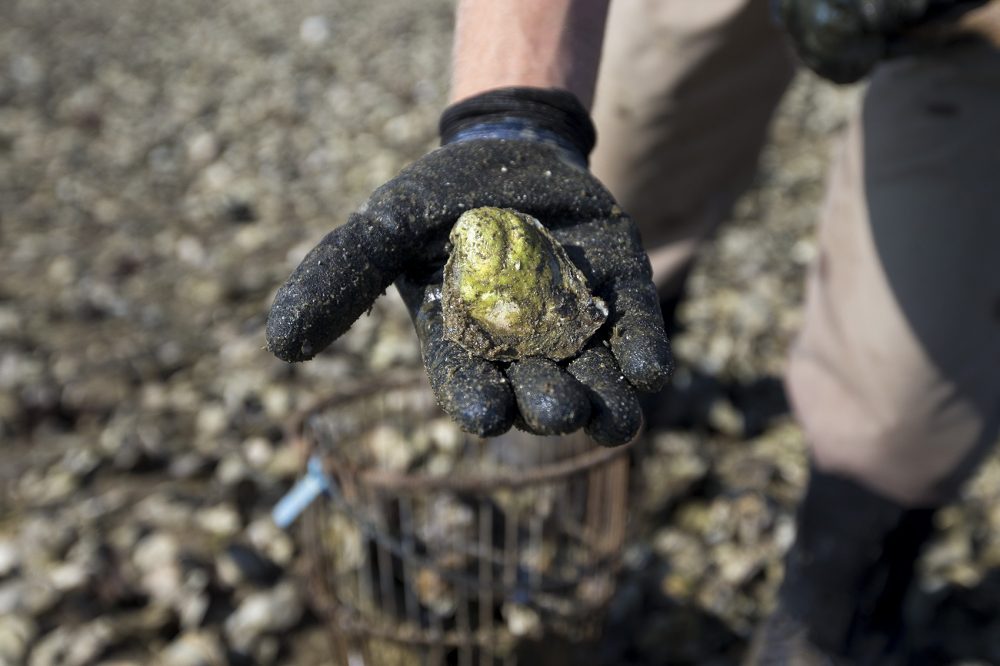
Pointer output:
x,y
843,40
516,148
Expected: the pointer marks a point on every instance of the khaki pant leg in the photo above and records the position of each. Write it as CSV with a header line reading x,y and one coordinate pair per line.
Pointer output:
x,y
896,374
684,96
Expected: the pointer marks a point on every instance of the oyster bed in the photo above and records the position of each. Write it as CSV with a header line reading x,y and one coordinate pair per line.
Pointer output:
x,y
163,166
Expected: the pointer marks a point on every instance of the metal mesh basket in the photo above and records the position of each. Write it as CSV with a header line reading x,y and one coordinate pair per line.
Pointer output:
x,y
434,547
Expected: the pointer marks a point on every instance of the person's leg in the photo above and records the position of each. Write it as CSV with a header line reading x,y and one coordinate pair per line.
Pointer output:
x,y
895,374
684,96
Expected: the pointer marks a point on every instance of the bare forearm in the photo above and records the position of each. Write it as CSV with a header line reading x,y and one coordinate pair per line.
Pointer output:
x,y
541,43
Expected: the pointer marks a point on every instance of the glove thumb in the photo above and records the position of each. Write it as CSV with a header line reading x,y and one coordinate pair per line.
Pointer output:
x,y
338,280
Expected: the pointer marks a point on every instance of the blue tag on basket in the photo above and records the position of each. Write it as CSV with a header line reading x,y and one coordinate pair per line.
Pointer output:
x,y
302,494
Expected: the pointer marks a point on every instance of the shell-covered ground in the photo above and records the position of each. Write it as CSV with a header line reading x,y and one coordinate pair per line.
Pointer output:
x,y
163,167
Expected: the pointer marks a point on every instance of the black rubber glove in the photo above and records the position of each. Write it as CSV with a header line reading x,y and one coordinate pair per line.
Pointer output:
x,y
843,40
520,148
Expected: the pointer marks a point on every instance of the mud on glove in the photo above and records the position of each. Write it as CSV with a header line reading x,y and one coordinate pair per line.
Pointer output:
x,y
521,148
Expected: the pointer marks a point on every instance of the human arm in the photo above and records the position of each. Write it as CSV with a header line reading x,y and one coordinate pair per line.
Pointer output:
x,y
527,43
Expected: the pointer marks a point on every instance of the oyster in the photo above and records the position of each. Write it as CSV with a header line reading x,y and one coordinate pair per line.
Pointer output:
x,y
510,291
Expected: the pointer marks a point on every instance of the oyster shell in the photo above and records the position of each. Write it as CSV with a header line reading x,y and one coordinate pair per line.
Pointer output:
x,y
510,291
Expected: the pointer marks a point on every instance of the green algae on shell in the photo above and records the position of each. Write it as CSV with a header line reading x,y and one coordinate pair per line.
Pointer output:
x,y
510,291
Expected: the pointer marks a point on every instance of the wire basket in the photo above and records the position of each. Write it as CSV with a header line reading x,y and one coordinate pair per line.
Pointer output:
x,y
435,547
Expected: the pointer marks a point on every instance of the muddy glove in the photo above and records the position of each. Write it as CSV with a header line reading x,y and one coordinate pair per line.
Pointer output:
x,y
843,40
519,148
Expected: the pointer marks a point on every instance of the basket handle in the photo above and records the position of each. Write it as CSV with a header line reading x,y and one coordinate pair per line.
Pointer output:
x,y
302,494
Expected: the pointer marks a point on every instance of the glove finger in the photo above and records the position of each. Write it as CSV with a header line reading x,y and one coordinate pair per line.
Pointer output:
x,y
338,280
550,401
471,390
615,416
638,337
610,254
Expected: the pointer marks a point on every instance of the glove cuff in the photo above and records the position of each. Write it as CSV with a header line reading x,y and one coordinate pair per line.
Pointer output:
x,y
546,115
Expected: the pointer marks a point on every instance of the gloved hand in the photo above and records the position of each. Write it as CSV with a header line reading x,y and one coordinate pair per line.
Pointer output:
x,y
520,148
843,40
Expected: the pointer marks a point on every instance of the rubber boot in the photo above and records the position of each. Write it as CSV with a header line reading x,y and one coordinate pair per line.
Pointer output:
x,y
846,578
